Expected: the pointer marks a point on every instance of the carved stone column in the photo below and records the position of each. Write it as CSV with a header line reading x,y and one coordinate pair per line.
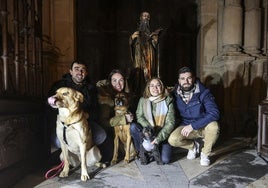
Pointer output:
x,y
233,71
59,50
265,27
232,26
3,9
252,32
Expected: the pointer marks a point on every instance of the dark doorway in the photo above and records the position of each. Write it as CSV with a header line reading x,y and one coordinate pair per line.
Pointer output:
x,y
104,28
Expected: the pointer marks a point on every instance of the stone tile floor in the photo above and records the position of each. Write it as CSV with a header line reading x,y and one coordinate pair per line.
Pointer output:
x,y
234,164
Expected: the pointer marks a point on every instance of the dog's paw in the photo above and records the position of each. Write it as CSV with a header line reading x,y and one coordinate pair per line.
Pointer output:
x,y
100,165
85,177
159,162
143,163
113,162
126,161
63,174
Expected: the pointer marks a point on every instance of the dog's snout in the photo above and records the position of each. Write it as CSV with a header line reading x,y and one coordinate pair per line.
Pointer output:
x,y
119,103
57,98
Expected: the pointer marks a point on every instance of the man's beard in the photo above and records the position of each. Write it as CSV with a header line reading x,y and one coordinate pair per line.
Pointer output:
x,y
187,87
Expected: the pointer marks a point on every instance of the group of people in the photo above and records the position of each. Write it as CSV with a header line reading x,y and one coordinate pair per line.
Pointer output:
x,y
180,117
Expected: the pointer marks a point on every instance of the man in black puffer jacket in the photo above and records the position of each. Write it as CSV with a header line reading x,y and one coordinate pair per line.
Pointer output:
x,y
77,78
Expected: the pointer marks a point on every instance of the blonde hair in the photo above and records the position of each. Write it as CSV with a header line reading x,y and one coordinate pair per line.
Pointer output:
x,y
147,94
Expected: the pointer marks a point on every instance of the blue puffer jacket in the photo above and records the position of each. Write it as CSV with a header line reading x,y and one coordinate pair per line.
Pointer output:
x,y
201,109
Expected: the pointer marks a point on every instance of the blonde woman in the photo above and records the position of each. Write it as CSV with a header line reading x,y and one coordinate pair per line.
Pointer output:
x,y
155,109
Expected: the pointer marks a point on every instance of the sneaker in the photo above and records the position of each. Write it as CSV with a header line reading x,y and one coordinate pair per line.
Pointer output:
x,y
192,152
204,160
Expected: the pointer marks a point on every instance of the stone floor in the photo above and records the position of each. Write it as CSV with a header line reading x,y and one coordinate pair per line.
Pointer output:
x,y
234,164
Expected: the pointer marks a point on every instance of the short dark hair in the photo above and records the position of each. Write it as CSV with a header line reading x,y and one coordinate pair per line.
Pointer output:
x,y
184,70
78,62
113,72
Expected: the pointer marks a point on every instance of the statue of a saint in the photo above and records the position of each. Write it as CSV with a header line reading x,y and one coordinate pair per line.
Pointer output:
x,y
144,50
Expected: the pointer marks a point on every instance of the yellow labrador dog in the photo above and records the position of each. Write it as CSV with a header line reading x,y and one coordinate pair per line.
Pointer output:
x,y
73,132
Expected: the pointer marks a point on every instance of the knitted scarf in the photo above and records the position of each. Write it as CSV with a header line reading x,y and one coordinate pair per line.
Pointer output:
x,y
157,119
186,95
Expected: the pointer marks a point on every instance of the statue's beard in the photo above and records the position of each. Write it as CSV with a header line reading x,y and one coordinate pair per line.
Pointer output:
x,y
144,29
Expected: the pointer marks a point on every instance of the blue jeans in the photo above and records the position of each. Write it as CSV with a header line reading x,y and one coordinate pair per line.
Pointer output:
x,y
165,147
102,140
98,133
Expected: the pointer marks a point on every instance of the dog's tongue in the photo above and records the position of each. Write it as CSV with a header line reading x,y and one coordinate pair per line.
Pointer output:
x,y
51,101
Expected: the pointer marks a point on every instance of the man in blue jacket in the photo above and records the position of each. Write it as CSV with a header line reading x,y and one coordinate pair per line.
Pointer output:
x,y
199,116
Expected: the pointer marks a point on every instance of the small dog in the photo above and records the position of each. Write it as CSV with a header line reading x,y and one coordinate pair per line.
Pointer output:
x,y
148,150
73,133
122,132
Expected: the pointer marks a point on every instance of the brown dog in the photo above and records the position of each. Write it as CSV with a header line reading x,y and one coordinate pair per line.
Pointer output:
x,y
122,131
73,132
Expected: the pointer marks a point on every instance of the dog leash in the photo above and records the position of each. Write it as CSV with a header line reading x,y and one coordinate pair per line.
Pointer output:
x,y
56,168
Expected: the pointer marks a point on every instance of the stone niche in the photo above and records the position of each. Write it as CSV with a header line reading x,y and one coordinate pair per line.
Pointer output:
x,y
23,137
262,145
238,83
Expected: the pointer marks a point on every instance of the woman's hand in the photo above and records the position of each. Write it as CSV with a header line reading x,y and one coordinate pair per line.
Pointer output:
x,y
129,117
154,141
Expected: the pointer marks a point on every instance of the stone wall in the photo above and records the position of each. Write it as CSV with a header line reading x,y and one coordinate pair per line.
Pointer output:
x,y
233,60
231,48
24,139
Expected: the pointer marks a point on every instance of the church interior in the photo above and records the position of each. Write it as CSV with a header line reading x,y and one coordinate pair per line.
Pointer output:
x,y
224,41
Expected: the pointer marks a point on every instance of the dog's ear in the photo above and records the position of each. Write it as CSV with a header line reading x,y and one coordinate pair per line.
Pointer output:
x,y
79,96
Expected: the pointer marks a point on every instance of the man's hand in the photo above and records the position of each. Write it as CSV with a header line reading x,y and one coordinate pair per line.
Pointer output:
x,y
187,130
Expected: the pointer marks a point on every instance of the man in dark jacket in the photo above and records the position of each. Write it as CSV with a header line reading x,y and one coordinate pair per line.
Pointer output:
x,y
77,78
199,116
